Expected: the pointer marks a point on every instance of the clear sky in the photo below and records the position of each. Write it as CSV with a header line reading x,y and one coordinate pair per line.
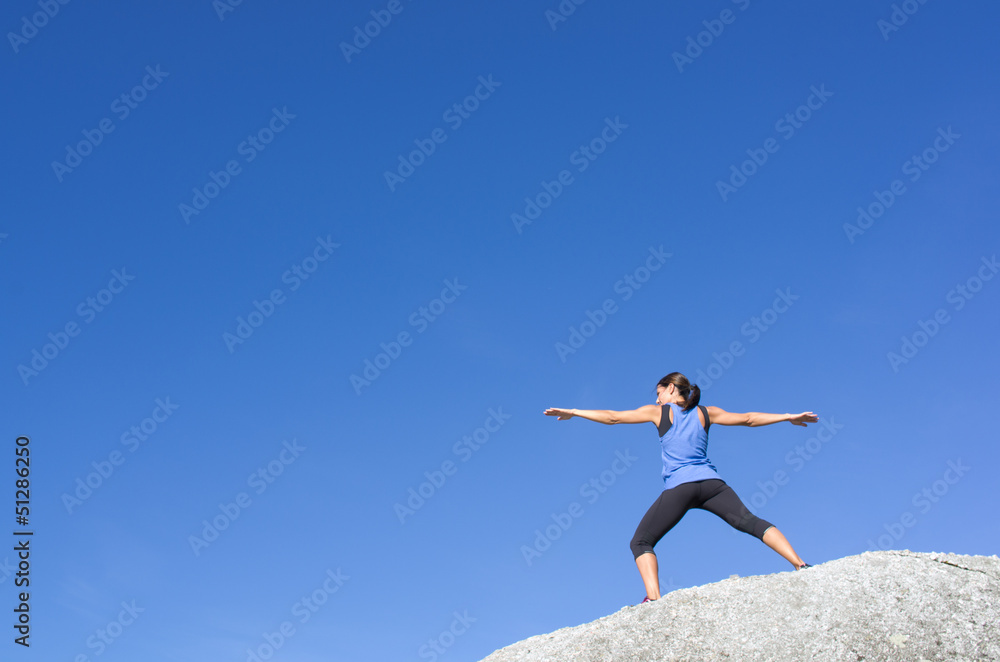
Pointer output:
x,y
288,286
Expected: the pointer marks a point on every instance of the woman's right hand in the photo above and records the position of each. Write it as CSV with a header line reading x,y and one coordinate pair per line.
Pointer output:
x,y
803,418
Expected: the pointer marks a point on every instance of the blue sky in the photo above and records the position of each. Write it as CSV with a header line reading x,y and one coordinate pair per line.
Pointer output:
x,y
219,218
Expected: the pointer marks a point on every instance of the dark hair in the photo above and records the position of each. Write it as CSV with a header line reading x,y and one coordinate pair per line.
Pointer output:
x,y
690,392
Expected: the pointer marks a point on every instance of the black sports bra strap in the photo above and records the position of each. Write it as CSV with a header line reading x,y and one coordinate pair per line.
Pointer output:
x,y
704,411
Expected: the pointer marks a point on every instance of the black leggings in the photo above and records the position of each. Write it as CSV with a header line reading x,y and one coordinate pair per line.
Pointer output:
x,y
712,495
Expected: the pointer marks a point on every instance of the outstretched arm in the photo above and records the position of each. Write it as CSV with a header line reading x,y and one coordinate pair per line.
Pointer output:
x,y
644,414
756,419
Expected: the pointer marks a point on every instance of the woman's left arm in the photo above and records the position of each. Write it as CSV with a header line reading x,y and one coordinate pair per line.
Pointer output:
x,y
644,414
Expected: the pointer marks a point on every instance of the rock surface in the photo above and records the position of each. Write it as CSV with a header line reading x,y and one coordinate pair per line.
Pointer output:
x,y
890,605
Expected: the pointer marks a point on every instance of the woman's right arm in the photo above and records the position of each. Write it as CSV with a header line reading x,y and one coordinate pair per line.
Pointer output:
x,y
755,419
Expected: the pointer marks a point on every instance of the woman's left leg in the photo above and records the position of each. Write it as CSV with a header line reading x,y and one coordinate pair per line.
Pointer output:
x,y
722,501
663,515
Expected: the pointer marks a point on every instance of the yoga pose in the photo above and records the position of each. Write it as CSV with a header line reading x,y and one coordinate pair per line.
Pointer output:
x,y
689,479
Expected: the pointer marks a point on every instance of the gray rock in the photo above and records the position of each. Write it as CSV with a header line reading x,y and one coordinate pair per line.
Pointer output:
x,y
891,605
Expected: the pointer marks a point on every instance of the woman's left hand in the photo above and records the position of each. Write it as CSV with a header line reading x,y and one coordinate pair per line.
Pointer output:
x,y
563,414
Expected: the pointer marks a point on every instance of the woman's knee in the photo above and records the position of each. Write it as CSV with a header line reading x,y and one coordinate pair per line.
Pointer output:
x,y
639,546
748,523
761,526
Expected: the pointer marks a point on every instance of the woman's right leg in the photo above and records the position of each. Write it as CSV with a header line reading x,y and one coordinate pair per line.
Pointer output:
x,y
666,511
724,502
777,541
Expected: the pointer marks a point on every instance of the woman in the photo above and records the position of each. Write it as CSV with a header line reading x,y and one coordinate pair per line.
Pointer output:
x,y
689,479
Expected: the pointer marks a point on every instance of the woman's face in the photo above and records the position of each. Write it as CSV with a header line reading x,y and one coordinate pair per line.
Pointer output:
x,y
665,394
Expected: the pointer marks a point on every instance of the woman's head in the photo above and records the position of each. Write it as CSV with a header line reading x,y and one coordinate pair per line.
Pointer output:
x,y
675,387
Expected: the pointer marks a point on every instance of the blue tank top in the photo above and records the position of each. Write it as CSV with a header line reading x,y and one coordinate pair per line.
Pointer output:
x,y
684,448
